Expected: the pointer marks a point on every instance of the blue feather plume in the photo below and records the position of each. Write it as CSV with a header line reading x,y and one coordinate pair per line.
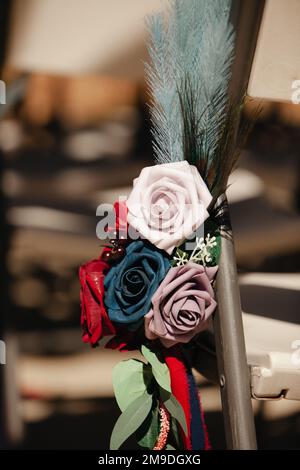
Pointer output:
x,y
191,50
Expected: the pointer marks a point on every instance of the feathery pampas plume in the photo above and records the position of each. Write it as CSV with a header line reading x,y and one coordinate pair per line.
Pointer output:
x,y
191,50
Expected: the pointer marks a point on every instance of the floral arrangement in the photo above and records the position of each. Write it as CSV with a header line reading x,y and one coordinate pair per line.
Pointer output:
x,y
152,289
152,295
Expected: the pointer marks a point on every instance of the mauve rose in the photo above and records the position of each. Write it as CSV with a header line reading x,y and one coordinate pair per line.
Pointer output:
x,y
168,203
181,305
95,322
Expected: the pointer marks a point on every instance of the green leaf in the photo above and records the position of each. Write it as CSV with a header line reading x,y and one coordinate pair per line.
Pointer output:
x,y
148,432
215,252
159,369
131,379
175,435
169,447
212,228
130,420
174,408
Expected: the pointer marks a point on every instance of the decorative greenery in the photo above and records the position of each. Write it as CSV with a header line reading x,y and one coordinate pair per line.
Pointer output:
x,y
132,375
139,389
206,251
212,227
130,420
176,436
215,251
149,430
201,254
159,368
169,447
174,408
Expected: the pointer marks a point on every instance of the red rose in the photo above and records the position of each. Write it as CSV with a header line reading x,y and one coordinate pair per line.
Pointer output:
x,y
94,319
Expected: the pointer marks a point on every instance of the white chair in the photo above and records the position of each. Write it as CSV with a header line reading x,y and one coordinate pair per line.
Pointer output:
x,y
271,318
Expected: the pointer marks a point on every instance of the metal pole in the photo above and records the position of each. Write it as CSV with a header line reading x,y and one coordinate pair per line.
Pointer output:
x,y
234,374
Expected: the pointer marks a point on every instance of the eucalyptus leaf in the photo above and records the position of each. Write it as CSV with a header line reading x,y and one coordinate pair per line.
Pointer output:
x,y
159,369
131,379
130,420
169,447
148,432
174,408
175,437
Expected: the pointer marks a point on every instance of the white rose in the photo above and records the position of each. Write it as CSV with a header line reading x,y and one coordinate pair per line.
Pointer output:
x,y
168,203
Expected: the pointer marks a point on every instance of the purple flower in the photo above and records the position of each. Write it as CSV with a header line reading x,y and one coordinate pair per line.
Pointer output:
x,y
181,305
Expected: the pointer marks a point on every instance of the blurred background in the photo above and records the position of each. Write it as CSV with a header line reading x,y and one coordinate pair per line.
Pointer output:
x,y
74,132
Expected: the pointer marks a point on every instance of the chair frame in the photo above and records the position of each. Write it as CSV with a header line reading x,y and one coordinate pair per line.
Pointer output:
x,y
233,371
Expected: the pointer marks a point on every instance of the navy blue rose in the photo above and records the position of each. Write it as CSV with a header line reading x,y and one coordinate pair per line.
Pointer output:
x,y
130,285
